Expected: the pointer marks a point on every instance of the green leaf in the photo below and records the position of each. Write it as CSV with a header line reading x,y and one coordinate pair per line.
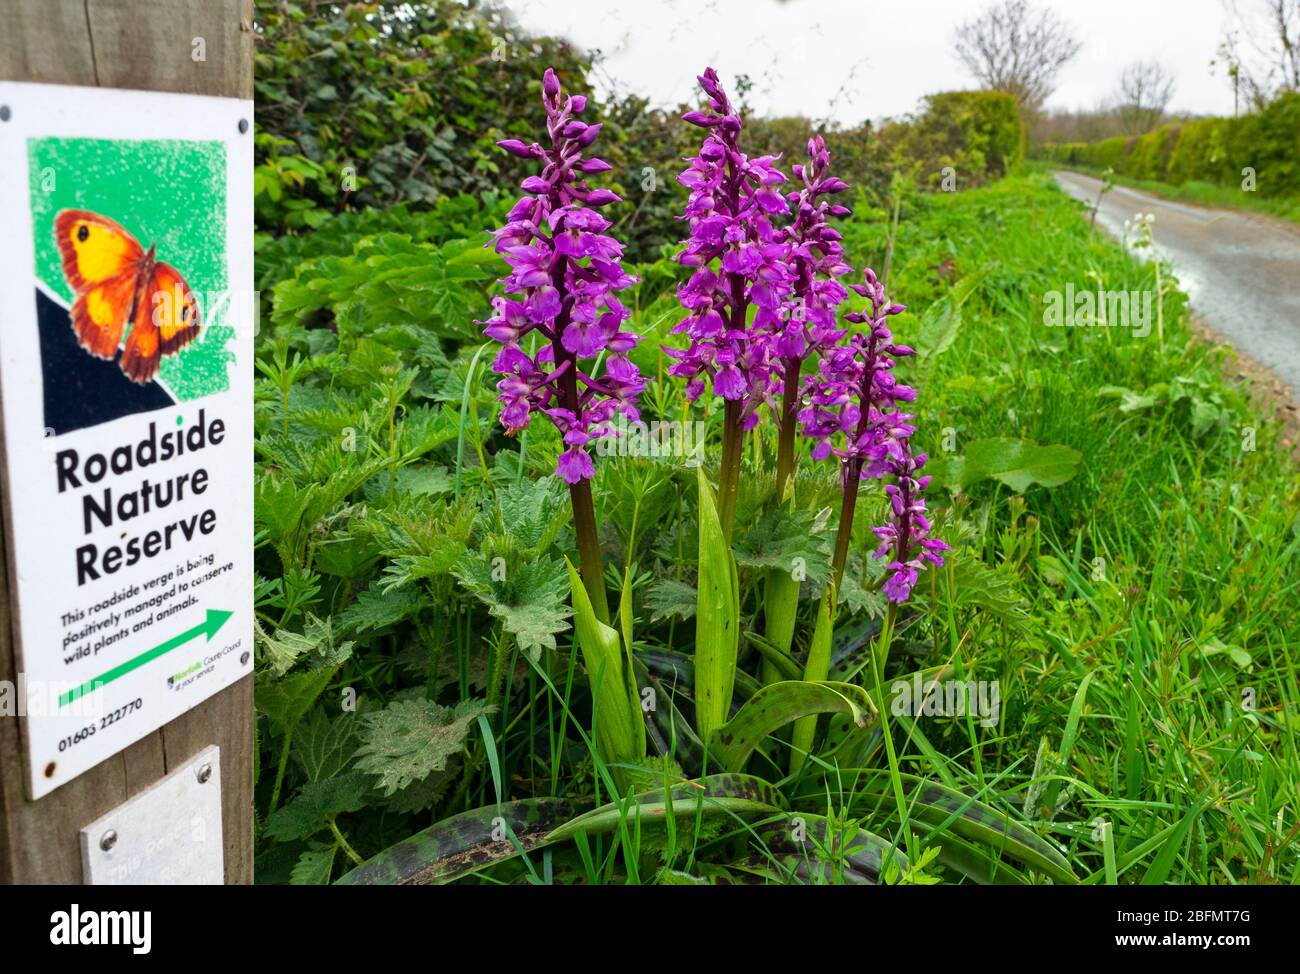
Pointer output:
x,y
313,867
946,808
287,699
669,597
1017,463
377,609
529,599
778,704
992,589
534,512
717,619
619,729
281,649
939,328
464,843
781,662
316,805
792,543
816,668
323,746
716,794
409,739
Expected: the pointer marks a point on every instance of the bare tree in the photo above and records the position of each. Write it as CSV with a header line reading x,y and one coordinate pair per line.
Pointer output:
x,y
1016,48
1145,88
1267,62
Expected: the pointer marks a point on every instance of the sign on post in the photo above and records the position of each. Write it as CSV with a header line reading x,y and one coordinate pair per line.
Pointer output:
x,y
127,311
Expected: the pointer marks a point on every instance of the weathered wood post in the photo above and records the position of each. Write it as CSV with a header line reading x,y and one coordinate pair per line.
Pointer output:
x,y
196,47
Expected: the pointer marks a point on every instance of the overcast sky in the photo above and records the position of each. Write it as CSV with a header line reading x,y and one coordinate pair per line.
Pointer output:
x,y
856,59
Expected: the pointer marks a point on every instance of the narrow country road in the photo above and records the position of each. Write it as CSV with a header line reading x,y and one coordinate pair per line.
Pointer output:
x,y
1241,270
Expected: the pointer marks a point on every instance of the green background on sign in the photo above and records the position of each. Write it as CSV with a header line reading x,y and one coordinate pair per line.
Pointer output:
x,y
166,192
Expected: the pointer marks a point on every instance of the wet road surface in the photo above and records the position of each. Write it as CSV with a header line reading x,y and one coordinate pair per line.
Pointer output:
x,y
1241,270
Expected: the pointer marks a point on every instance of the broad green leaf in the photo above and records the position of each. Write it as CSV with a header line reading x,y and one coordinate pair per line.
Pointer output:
x,y
792,543
669,597
778,704
464,843
816,668
939,328
1017,463
979,585
715,794
717,619
323,745
782,663
619,730
378,609
949,809
476,839
528,598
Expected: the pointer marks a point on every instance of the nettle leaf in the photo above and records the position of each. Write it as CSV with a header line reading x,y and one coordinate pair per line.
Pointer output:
x,y
313,867
281,649
286,700
427,480
378,608
323,746
534,512
529,600
669,597
318,804
788,541
859,601
327,651
853,596
979,585
420,795
410,739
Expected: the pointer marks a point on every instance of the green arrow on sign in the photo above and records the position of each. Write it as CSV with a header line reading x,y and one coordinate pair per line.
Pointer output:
x,y
208,627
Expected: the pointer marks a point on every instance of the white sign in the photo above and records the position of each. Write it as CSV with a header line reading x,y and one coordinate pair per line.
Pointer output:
x,y
168,835
127,315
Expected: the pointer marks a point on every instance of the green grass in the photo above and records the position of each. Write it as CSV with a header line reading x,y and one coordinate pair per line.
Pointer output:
x,y
1205,194
1161,581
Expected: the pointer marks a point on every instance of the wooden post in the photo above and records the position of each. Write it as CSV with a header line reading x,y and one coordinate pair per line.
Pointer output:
x,y
141,44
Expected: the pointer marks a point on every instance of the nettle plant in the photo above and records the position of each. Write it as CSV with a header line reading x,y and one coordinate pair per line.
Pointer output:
x,y
693,732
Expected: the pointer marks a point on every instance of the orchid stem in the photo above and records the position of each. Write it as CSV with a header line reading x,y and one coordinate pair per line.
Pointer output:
x,y
733,440
844,533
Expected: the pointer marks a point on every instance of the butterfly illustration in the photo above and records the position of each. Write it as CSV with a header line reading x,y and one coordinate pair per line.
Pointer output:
x,y
117,281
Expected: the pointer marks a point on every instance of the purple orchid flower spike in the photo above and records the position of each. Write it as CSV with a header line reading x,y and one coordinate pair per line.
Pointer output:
x,y
905,535
809,318
739,260
564,272
853,413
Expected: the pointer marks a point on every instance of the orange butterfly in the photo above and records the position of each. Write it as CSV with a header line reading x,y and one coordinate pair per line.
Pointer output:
x,y
117,281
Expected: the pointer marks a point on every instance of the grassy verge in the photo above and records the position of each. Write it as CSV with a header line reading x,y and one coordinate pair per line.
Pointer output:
x,y
1150,700
1137,619
1202,194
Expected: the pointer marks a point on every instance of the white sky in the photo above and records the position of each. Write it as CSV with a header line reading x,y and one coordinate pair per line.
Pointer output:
x,y
857,59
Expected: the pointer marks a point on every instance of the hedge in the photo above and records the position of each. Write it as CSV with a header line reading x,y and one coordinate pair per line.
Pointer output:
x,y
1212,150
